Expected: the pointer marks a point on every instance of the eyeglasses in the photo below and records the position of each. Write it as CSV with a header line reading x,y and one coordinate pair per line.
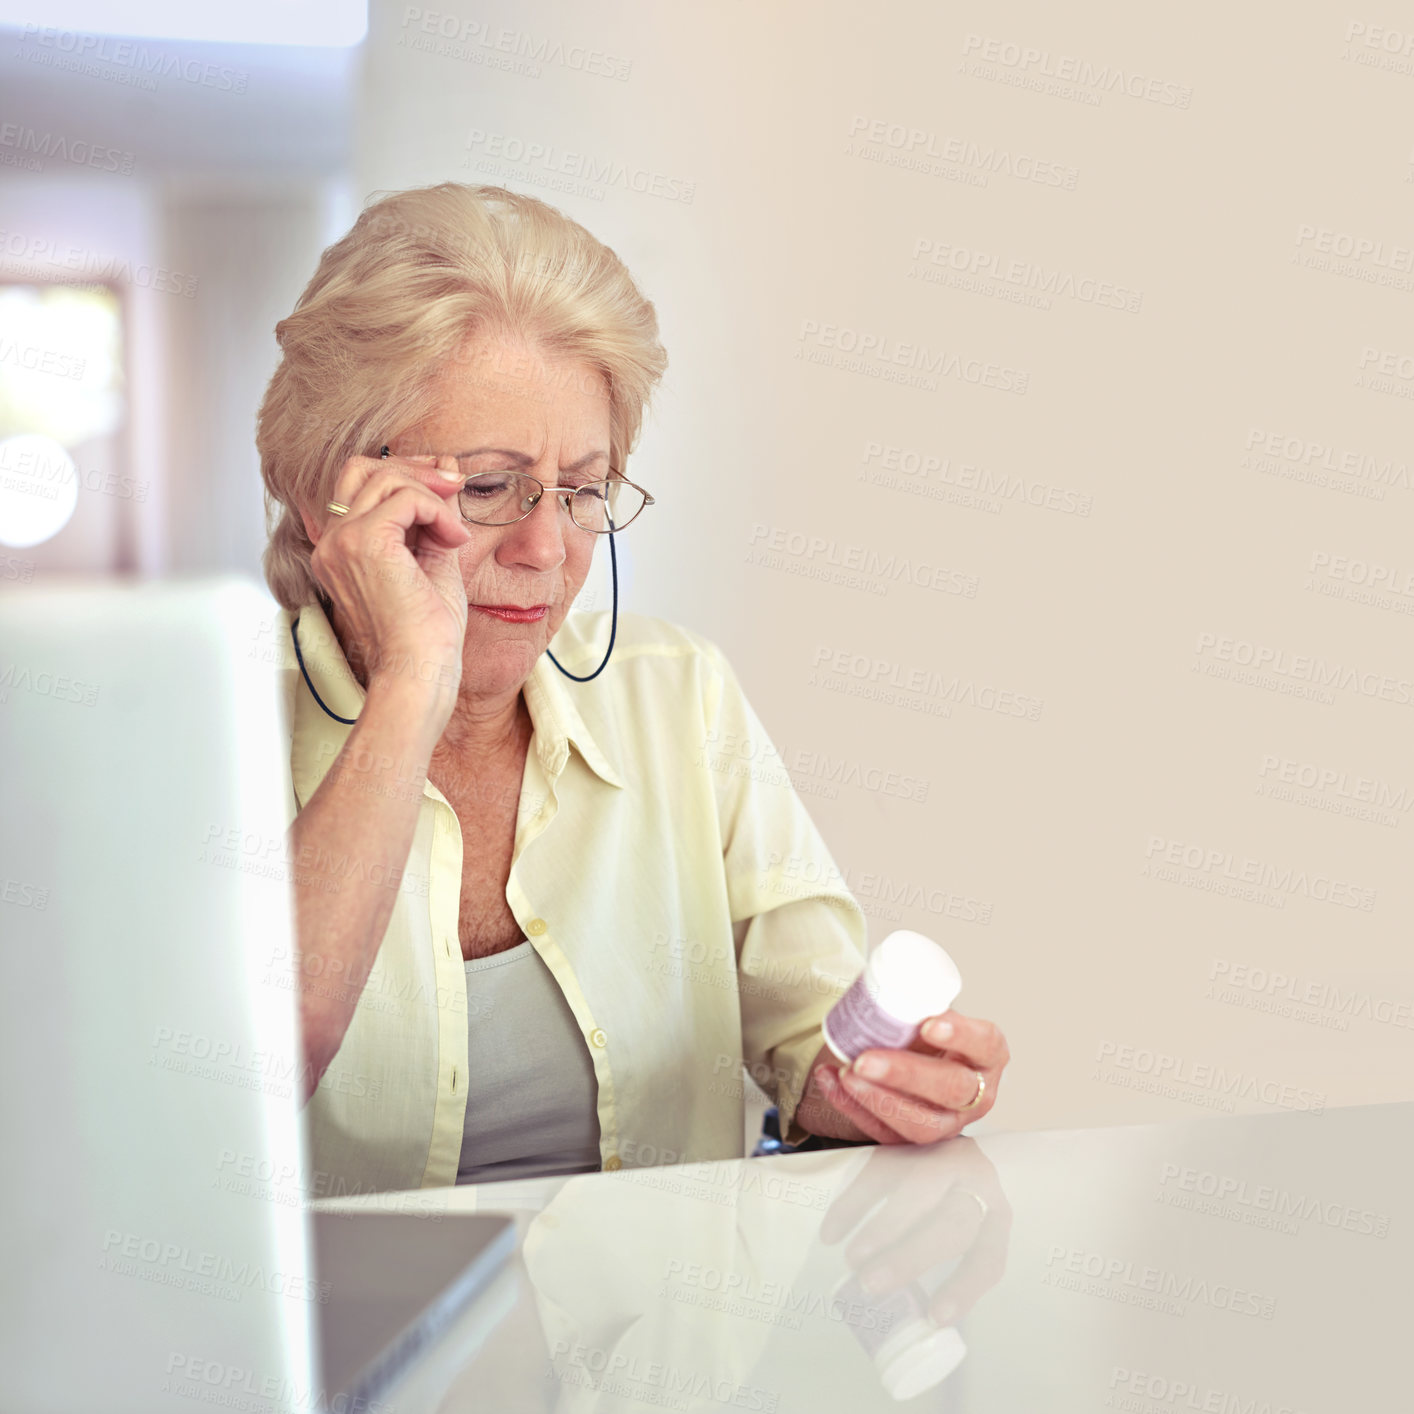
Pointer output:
x,y
504,497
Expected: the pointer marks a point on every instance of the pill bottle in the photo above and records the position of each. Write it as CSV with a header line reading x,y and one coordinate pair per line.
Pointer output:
x,y
910,1351
908,977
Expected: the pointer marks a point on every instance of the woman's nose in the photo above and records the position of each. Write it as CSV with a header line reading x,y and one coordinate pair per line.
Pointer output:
x,y
539,539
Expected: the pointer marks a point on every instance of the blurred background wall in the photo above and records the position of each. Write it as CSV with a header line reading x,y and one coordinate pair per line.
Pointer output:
x,y
1035,443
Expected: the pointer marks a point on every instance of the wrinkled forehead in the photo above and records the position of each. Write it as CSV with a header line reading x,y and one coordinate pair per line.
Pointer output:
x,y
511,394
506,366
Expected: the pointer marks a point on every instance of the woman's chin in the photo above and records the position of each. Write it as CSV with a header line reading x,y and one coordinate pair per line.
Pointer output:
x,y
500,657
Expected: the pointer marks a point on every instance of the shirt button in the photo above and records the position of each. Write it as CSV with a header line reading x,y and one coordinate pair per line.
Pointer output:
x,y
613,1164
597,1036
536,926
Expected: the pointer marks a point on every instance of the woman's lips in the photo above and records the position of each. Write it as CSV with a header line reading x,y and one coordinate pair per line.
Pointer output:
x,y
511,614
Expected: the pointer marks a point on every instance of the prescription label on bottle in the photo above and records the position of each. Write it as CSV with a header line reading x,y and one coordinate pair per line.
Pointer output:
x,y
908,977
857,1022
874,1319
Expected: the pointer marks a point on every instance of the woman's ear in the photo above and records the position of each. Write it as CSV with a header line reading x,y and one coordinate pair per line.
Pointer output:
x,y
311,527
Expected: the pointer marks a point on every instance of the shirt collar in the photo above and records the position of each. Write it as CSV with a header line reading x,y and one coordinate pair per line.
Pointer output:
x,y
558,722
318,738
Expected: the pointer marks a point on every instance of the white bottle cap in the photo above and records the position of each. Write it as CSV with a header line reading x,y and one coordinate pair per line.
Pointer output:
x,y
911,976
919,1366
908,977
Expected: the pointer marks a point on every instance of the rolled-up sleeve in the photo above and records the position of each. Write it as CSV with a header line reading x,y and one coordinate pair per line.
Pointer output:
x,y
800,935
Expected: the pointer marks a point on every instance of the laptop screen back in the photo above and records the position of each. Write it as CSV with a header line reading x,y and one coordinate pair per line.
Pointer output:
x,y
157,1257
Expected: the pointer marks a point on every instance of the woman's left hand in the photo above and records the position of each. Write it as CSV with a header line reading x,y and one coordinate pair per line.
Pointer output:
x,y
913,1096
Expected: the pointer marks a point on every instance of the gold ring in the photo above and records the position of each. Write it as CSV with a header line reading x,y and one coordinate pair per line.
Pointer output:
x,y
337,508
981,1201
977,1098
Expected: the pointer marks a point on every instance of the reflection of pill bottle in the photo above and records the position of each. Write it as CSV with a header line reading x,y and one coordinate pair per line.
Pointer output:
x,y
908,977
910,1351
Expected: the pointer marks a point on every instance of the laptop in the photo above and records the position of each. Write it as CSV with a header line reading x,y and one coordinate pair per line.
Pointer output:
x,y
159,1254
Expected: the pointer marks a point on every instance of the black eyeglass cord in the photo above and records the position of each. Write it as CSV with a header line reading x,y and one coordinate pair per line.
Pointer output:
x,y
613,622
347,721
613,635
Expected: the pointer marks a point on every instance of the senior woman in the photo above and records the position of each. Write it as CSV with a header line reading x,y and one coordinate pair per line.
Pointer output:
x,y
539,928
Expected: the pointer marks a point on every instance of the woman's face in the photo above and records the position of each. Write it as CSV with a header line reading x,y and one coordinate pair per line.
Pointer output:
x,y
518,409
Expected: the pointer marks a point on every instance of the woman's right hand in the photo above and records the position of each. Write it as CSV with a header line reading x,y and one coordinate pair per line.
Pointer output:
x,y
390,566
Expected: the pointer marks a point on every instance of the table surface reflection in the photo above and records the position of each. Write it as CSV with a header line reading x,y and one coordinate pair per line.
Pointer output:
x,y
1232,1265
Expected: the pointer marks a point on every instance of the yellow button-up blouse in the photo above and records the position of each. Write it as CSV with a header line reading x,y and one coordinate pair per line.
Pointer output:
x,y
664,869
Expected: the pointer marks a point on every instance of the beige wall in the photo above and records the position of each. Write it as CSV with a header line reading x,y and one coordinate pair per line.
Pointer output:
x,y
1189,453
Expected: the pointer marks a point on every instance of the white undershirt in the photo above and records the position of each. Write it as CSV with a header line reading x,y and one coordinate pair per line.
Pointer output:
x,y
531,1106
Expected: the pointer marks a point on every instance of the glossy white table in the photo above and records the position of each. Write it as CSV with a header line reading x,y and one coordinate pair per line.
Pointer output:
x,y
1230,1266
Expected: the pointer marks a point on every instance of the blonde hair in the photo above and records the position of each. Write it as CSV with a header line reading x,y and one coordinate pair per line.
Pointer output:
x,y
395,301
